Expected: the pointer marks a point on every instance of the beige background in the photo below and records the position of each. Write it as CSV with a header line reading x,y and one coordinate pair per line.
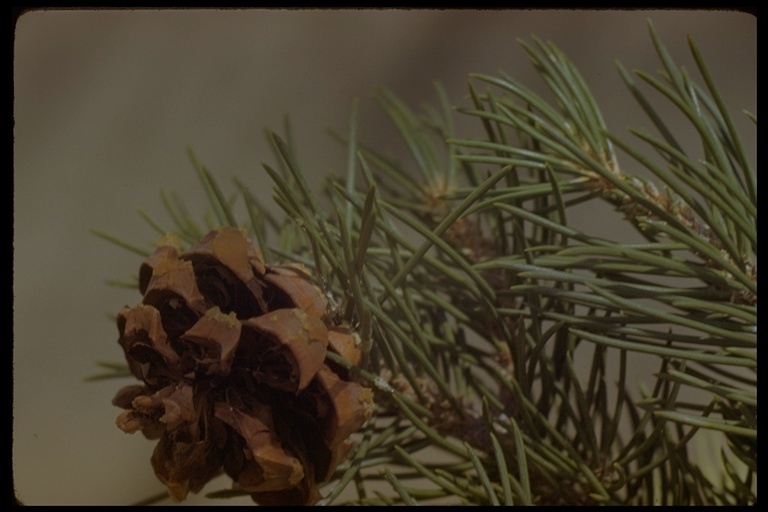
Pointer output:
x,y
107,101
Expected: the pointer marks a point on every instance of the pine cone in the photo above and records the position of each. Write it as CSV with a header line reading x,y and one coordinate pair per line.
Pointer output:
x,y
231,353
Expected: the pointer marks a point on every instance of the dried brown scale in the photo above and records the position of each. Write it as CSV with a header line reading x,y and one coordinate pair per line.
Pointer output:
x,y
231,353
144,340
293,342
167,249
264,464
211,343
296,285
344,342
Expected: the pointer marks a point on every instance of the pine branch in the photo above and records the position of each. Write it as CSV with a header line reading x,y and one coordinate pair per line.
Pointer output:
x,y
497,337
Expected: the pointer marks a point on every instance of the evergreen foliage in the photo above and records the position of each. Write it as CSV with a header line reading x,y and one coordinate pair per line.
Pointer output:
x,y
502,343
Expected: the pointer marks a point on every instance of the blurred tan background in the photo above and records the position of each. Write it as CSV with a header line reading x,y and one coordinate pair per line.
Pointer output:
x,y
107,101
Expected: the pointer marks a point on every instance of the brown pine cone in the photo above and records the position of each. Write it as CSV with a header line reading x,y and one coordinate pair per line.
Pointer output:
x,y
231,353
